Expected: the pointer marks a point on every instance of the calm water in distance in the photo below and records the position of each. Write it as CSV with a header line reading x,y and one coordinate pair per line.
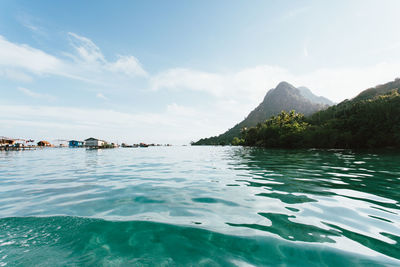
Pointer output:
x,y
199,206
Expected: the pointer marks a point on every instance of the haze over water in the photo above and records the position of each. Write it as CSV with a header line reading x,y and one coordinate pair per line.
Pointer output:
x,y
199,206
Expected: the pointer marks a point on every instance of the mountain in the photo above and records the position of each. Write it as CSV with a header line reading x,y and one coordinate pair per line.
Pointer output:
x,y
378,90
313,98
284,97
370,95
369,120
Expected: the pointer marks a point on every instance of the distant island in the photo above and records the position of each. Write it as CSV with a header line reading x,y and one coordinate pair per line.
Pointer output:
x,y
292,117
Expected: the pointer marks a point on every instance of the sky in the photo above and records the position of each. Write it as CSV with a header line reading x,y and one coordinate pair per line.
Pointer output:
x,y
176,71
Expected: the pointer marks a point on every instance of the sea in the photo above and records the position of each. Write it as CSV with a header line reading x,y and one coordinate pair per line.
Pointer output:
x,y
199,206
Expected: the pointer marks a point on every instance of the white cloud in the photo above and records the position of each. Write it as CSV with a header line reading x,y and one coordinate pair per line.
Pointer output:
x,y
247,84
128,65
33,94
90,55
27,58
180,110
16,75
100,95
181,78
31,23
251,84
31,27
86,49
87,63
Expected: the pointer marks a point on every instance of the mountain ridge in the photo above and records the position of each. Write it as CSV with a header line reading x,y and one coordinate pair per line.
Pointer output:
x,y
283,97
370,120
306,92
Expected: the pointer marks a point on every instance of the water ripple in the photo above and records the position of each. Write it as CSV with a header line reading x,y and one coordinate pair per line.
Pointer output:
x,y
339,199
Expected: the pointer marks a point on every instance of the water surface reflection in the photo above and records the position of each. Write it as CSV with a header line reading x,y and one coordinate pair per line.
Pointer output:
x,y
342,199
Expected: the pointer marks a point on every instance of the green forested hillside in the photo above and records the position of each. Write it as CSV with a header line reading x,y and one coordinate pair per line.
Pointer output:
x,y
370,120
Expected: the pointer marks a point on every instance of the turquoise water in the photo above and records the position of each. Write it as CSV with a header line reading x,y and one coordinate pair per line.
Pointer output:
x,y
199,206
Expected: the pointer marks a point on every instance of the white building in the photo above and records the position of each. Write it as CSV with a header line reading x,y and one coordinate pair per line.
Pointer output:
x,y
93,142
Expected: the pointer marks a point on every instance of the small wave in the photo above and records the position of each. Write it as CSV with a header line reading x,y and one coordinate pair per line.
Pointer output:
x,y
66,240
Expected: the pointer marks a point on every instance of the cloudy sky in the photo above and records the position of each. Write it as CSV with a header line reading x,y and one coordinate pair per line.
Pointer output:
x,y
176,71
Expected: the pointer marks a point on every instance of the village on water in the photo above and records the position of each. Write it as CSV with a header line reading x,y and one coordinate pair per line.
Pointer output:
x,y
7,143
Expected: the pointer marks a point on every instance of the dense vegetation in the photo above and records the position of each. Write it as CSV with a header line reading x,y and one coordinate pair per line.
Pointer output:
x,y
283,130
370,120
